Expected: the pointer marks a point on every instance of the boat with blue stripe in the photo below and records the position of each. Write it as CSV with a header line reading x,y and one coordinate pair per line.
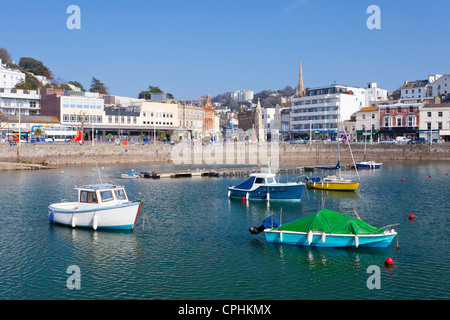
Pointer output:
x,y
98,206
263,186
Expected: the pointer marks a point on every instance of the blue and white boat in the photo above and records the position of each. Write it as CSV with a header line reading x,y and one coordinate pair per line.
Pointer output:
x,y
102,206
326,228
263,186
369,164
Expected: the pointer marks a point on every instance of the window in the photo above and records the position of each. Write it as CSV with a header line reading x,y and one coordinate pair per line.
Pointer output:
x,y
440,114
411,109
440,125
120,194
259,180
270,180
399,122
387,110
429,114
88,197
429,125
110,119
106,196
399,110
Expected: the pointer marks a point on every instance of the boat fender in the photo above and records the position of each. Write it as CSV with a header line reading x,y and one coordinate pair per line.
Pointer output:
x,y
95,222
229,193
268,196
356,242
74,221
246,196
323,237
310,237
51,217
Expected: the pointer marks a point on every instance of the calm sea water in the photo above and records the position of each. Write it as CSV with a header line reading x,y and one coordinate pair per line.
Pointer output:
x,y
199,246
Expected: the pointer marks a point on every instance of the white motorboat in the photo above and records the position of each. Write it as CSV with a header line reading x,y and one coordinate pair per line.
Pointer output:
x,y
98,206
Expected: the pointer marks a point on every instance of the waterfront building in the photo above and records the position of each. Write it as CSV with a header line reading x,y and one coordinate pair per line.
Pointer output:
x,y
159,116
190,118
419,89
367,124
13,101
242,95
399,119
321,108
268,120
434,124
285,119
9,77
112,101
84,109
208,120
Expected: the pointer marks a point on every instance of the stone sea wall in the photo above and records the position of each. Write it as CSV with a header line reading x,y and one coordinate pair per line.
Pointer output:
x,y
302,155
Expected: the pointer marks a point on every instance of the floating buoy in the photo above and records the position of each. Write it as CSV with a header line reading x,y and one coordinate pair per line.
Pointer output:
x,y
243,198
403,180
389,261
446,174
411,217
429,176
153,171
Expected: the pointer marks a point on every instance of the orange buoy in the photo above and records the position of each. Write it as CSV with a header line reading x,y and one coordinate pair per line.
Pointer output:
x,y
411,217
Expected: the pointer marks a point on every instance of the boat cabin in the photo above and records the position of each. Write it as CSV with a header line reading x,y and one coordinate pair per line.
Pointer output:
x,y
263,178
101,193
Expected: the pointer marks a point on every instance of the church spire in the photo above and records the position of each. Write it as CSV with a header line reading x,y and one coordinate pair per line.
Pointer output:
x,y
300,90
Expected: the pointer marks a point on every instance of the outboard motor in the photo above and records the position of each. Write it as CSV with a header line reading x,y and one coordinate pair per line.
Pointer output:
x,y
268,223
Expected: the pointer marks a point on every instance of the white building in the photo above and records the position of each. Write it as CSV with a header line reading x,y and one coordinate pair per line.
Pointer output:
x,y
321,108
243,95
434,122
419,89
373,93
441,86
13,100
9,77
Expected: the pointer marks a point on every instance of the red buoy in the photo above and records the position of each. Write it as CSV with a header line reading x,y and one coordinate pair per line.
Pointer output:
x,y
243,198
403,180
389,261
446,174
429,176
153,171
411,217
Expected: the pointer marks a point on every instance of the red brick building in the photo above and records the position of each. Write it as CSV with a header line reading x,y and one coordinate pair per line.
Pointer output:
x,y
208,123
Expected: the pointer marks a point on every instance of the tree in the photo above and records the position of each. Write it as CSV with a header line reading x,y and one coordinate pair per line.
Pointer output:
x,y
98,86
77,84
30,83
5,56
35,66
147,94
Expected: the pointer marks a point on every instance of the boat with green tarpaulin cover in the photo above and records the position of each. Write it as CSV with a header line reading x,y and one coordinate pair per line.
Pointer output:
x,y
326,228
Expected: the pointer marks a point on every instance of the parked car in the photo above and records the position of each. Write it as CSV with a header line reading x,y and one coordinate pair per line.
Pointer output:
x,y
418,141
403,140
389,141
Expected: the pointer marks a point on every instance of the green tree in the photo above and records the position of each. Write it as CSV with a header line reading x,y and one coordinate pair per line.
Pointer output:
x,y
98,86
77,84
30,83
147,94
35,66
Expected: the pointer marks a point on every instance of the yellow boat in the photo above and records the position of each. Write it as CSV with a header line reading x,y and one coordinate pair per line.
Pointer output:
x,y
332,183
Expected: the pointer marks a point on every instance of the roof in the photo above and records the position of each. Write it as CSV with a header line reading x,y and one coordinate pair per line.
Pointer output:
x,y
32,119
368,109
99,186
414,84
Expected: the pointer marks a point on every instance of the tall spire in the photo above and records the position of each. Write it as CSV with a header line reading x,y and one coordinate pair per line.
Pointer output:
x,y
300,90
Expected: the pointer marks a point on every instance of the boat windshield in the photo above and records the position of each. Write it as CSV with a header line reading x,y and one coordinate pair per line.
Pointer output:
x,y
106,195
259,180
120,194
270,180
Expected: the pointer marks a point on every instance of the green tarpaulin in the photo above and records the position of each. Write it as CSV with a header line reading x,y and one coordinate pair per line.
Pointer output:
x,y
330,221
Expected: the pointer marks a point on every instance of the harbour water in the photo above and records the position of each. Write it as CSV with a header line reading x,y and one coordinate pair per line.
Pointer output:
x,y
199,247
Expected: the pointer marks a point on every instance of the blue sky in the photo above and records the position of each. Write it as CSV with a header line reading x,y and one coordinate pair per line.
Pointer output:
x,y
191,48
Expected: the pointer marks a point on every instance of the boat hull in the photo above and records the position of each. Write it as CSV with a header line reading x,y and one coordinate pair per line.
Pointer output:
x,y
368,165
353,186
284,192
121,216
331,240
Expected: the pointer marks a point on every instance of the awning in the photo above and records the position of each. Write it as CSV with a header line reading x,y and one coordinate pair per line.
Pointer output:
x,y
444,132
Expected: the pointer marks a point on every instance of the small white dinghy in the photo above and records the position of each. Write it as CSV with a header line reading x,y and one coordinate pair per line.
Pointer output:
x,y
131,175
99,206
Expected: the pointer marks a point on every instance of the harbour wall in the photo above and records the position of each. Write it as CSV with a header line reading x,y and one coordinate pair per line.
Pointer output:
x,y
230,154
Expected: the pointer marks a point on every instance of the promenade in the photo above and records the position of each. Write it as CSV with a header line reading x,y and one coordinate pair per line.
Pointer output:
x,y
219,154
